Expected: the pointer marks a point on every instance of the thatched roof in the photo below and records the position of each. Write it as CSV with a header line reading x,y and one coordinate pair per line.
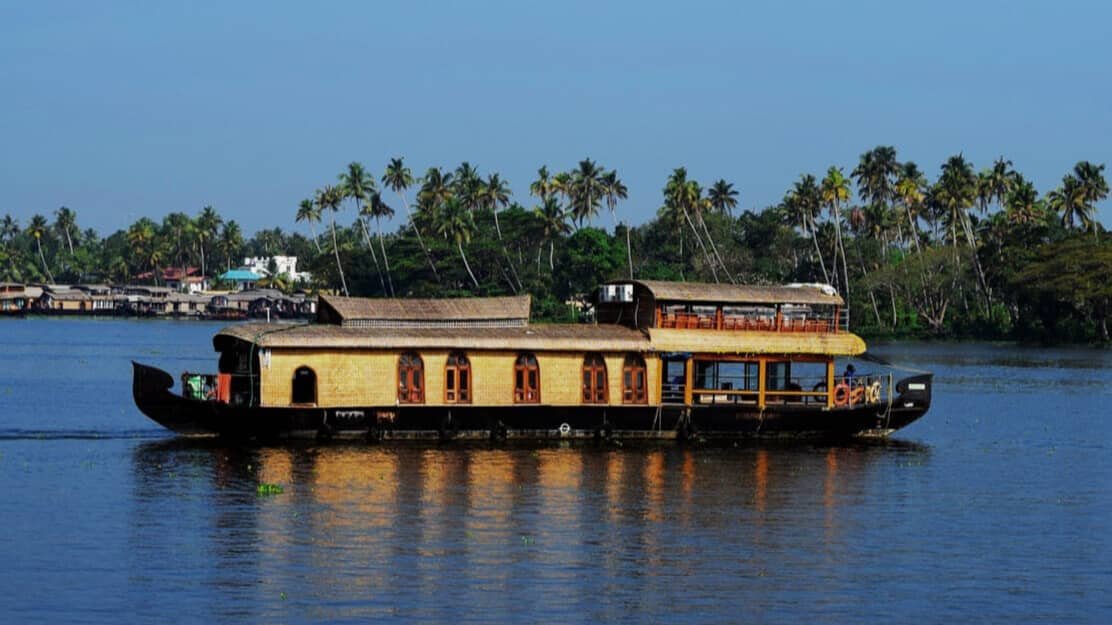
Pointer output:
x,y
384,312
747,342
701,292
544,337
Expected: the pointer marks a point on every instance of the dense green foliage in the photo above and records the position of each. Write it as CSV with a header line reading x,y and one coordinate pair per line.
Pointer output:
x,y
968,255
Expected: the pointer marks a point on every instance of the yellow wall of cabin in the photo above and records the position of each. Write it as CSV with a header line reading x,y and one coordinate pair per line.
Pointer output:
x,y
366,378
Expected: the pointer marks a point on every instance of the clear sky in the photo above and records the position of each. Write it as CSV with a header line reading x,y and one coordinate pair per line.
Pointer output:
x,y
127,109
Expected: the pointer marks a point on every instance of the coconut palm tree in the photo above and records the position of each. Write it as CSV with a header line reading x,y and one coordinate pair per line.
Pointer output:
x,y
722,197
455,222
585,191
357,184
9,228
65,221
179,227
1022,205
38,229
803,203
230,242
377,209
1094,188
330,198
466,186
309,213
398,178
910,184
614,189
835,191
207,226
554,222
681,197
876,174
494,195
544,186
956,192
1069,200
993,185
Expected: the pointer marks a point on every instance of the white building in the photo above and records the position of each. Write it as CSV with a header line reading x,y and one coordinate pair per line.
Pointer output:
x,y
283,264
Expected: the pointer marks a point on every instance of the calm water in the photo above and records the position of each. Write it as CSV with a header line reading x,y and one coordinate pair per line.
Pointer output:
x,y
997,507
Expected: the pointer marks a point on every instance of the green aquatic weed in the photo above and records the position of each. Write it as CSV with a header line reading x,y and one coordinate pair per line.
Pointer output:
x,y
266,489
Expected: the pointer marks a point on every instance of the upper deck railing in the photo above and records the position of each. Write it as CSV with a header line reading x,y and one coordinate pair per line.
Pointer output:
x,y
757,319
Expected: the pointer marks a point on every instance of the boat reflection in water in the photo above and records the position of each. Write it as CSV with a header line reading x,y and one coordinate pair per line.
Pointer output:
x,y
433,532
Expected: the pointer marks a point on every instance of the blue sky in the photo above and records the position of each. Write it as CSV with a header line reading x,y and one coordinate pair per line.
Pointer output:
x,y
125,109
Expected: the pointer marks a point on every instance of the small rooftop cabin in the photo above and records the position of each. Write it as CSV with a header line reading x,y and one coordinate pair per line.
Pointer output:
x,y
646,304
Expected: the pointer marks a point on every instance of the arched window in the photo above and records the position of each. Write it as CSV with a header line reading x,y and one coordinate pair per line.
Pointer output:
x,y
411,379
594,380
527,380
304,386
633,380
457,379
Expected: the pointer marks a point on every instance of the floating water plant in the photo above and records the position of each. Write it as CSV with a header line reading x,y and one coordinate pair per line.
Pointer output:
x,y
265,489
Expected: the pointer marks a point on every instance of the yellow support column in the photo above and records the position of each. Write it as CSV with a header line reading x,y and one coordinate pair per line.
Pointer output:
x,y
762,376
830,383
688,381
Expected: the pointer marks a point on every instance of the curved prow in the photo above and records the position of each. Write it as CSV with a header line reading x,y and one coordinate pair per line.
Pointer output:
x,y
151,388
914,392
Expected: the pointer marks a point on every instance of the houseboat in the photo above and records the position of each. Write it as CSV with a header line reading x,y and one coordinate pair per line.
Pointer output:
x,y
661,360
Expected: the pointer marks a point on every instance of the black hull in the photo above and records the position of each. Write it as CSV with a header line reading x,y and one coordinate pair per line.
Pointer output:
x,y
152,391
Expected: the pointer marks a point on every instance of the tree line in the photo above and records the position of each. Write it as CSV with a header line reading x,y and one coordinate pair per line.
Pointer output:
x,y
968,254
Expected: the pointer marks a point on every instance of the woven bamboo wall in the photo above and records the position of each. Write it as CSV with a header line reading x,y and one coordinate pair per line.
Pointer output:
x,y
351,378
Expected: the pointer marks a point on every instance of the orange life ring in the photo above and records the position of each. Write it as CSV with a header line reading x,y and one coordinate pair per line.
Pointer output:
x,y
841,394
856,395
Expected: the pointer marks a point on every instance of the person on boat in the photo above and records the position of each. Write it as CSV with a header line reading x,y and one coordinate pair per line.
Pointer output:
x,y
847,377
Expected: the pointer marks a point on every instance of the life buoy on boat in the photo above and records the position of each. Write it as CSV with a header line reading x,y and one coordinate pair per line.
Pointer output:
x,y
856,395
872,393
841,394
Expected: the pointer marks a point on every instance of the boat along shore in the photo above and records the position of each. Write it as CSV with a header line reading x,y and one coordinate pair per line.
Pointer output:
x,y
661,360
100,300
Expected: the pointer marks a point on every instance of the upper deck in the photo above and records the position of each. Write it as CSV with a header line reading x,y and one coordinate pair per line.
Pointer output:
x,y
646,304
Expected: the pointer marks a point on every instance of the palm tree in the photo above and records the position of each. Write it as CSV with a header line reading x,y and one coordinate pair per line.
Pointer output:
x,y
722,197
1022,205
494,195
38,228
357,184
614,189
554,221
64,222
956,193
467,185
1069,200
207,225
1094,188
909,189
876,173
803,203
681,197
544,186
375,208
179,226
231,242
398,177
308,212
993,185
455,222
9,228
586,190
330,198
835,190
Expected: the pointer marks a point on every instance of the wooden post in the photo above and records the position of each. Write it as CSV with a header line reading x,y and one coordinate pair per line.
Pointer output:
x,y
835,321
762,376
779,317
659,315
718,318
688,381
830,383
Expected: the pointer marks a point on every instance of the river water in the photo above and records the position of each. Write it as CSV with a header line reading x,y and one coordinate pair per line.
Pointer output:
x,y
996,507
